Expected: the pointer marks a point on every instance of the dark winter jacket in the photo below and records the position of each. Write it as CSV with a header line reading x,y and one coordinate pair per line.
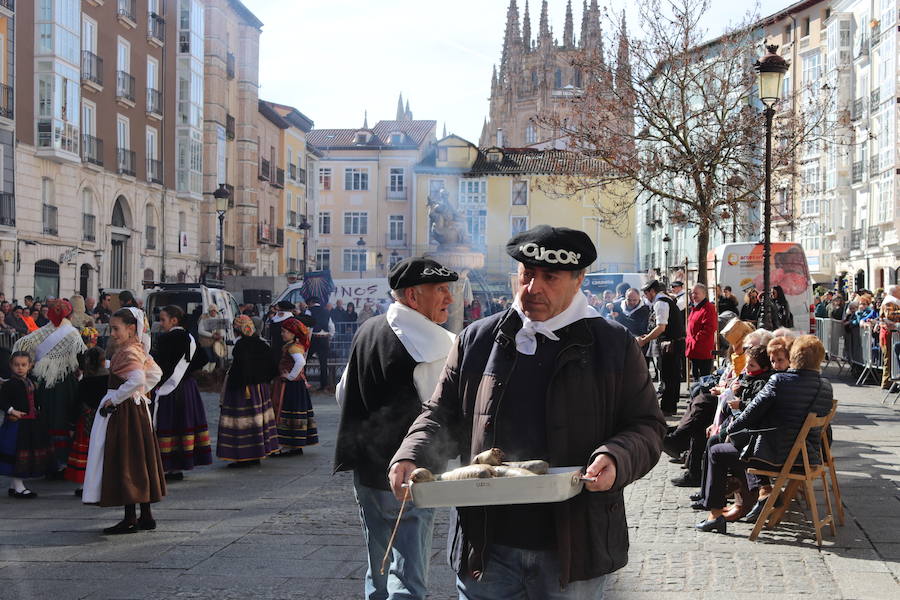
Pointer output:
x,y
171,347
783,404
380,403
600,400
251,364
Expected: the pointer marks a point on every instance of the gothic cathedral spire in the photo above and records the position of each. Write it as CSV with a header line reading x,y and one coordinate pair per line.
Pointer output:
x,y
399,116
623,61
512,40
526,30
544,37
569,30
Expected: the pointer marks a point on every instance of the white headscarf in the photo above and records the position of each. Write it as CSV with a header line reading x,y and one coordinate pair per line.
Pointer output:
x,y
526,340
142,328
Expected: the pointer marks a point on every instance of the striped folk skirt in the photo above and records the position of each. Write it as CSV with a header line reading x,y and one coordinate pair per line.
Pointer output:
x,y
25,450
182,429
247,424
80,444
296,421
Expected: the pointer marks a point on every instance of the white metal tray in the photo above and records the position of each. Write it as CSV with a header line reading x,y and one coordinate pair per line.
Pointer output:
x,y
560,484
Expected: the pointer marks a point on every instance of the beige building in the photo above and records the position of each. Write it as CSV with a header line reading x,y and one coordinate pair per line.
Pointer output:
x,y
365,215
97,172
503,191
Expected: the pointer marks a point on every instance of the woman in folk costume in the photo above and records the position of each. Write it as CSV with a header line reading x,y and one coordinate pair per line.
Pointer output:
x,y
79,317
124,466
296,421
55,348
91,389
247,430
178,413
25,450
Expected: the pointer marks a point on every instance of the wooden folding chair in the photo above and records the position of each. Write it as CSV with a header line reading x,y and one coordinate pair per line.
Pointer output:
x,y
828,463
790,478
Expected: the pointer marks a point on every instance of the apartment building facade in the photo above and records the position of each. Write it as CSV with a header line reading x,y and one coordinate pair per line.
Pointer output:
x,y
365,207
504,191
7,144
96,161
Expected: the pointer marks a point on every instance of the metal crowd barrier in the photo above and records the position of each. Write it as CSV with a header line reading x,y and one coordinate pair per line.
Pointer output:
x,y
338,353
7,339
832,335
850,346
867,353
895,370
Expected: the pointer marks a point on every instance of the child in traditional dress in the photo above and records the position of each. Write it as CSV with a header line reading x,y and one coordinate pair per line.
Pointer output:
x,y
91,389
296,421
124,466
25,450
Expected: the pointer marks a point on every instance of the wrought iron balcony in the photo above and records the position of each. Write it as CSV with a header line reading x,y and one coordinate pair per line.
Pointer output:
x,y
397,192
126,9
49,215
91,68
395,240
6,101
156,28
857,172
279,237
125,161
154,102
92,150
292,171
154,171
264,234
265,171
856,239
88,227
874,164
124,86
856,109
279,178
875,99
292,218
7,209
301,176
873,236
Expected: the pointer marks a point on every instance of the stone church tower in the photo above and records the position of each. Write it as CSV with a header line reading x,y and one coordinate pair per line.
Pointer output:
x,y
536,76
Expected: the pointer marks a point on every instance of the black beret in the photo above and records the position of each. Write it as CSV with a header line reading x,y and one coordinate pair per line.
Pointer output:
x,y
651,285
285,305
677,284
418,270
558,248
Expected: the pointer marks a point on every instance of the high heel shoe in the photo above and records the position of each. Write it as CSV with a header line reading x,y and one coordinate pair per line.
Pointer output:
x,y
719,525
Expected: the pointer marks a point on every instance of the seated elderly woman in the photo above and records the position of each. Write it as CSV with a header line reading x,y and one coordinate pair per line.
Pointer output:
x,y
690,433
777,413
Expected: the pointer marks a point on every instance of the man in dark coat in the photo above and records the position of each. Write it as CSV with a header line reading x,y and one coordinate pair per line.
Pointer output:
x,y
394,365
546,379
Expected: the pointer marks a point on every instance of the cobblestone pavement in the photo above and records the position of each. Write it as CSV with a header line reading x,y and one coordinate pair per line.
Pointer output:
x,y
290,530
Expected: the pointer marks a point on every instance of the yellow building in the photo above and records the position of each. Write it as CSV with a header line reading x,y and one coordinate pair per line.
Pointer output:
x,y
502,191
298,206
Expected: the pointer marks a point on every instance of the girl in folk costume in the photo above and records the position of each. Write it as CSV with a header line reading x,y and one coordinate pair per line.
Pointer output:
x,y
91,389
178,414
25,450
247,429
296,421
124,466
55,348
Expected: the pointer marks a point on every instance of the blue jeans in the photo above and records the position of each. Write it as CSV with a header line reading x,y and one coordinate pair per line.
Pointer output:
x,y
516,574
407,575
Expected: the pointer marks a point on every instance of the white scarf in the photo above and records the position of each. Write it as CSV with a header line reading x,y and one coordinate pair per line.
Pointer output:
x,y
526,338
628,311
282,316
56,361
425,340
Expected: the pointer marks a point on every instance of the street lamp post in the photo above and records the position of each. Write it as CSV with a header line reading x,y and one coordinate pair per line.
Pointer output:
x,y
221,195
770,71
361,243
667,241
305,227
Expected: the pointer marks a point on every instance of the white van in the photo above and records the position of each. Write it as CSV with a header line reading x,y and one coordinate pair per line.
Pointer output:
x,y
194,299
740,265
597,283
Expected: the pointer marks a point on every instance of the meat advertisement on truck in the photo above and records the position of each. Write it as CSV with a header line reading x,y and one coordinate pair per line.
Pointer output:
x,y
741,266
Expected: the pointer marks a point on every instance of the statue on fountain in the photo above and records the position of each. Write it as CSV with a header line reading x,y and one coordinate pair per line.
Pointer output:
x,y
448,226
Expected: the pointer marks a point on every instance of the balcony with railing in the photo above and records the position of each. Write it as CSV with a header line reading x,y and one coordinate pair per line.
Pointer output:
x,y
8,8
229,127
279,237
91,70
873,236
279,178
857,172
125,13
125,161
125,88
292,218
875,99
154,171
156,29
395,240
397,192
856,239
264,233
301,176
154,103
88,227
229,65
7,209
151,237
49,217
292,171
265,171
874,166
57,140
6,101
92,150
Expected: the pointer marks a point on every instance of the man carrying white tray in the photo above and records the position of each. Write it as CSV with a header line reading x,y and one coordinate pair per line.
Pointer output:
x,y
546,379
395,361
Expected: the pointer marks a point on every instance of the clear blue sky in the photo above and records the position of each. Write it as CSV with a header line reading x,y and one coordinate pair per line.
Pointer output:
x,y
335,59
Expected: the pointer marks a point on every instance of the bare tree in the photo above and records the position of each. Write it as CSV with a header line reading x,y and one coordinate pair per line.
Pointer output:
x,y
676,123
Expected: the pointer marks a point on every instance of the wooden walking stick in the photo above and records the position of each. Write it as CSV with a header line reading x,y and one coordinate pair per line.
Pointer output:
x,y
387,554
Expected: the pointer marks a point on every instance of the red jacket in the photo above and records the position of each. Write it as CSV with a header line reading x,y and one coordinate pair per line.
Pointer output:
x,y
701,332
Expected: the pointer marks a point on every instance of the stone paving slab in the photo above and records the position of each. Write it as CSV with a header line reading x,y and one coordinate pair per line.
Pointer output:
x,y
289,529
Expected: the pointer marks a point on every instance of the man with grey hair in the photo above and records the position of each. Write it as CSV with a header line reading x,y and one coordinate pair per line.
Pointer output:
x,y
889,314
393,369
